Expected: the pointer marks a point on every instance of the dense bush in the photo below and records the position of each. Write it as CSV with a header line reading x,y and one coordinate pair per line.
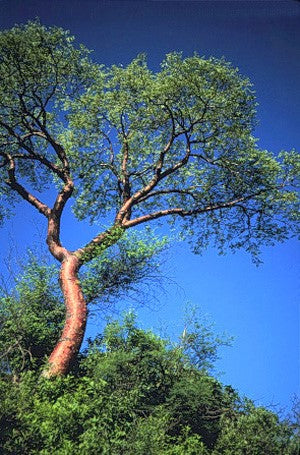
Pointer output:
x,y
134,394
130,392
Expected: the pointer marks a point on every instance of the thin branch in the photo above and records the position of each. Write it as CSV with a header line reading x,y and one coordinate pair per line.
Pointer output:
x,y
125,178
166,191
58,148
111,149
32,154
180,163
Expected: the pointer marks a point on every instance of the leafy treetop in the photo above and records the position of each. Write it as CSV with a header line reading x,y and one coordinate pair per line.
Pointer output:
x,y
137,145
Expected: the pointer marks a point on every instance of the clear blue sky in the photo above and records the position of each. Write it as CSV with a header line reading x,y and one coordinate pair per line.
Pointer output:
x,y
257,305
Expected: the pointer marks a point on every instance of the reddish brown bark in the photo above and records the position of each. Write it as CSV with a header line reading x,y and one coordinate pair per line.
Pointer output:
x,y
68,346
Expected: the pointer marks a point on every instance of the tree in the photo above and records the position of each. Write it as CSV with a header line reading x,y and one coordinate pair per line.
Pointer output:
x,y
134,146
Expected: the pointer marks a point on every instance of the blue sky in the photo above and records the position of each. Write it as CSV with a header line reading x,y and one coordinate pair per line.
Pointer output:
x,y
259,306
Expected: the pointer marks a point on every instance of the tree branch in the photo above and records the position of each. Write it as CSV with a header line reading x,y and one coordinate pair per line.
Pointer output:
x,y
125,177
32,154
166,191
126,208
183,213
54,220
26,195
59,150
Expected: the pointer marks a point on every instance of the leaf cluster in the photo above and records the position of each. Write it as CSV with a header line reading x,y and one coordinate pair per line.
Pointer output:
x,y
125,269
31,318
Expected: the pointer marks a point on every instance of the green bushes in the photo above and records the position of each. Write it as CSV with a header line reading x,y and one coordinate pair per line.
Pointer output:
x,y
130,392
133,393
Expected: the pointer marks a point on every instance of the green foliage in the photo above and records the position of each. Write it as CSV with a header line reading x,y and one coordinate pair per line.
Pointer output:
x,y
130,391
125,268
196,402
199,341
135,393
253,433
30,318
174,142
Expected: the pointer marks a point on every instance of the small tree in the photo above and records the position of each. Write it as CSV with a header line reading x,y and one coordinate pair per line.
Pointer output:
x,y
135,146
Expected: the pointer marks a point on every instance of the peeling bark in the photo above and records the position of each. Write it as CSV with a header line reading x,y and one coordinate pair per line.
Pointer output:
x,y
69,344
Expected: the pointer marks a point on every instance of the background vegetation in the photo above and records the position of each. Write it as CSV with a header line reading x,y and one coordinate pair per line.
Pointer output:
x,y
130,391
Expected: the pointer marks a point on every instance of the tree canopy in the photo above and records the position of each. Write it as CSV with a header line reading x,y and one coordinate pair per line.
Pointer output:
x,y
138,144
131,145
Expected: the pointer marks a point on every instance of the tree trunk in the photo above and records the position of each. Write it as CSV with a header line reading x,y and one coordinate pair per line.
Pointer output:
x,y
67,348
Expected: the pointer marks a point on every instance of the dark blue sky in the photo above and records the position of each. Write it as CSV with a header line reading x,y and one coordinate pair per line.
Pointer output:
x,y
258,306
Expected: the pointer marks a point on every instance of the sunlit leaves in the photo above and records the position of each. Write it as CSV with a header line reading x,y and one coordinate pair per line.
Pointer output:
x,y
40,70
180,138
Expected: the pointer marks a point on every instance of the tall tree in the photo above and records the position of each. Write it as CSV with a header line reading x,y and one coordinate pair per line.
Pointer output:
x,y
135,146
